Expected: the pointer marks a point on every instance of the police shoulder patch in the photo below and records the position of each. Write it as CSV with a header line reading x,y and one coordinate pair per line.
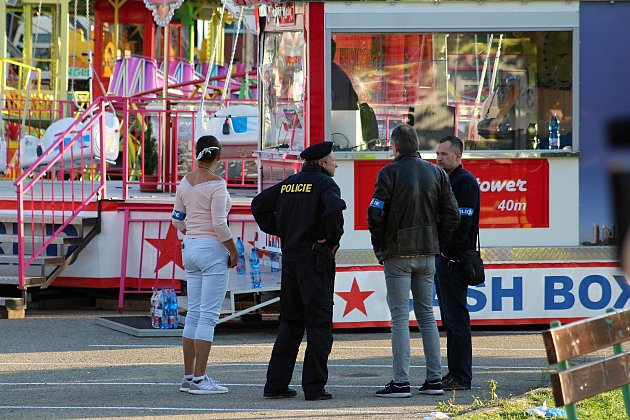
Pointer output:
x,y
466,211
377,203
178,215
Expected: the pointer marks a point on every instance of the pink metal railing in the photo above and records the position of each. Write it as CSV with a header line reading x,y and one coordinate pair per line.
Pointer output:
x,y
142,216
34,121
57,191
175,155
66,177
163,225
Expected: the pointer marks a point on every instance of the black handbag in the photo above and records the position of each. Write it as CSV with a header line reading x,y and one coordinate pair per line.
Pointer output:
x,y
483,129
483,126
472,265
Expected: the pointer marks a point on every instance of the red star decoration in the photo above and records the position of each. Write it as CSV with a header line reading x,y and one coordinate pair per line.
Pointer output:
x,y
355,298
169,249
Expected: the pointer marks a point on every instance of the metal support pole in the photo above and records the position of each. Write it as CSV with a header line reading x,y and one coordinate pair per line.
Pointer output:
x,y
165,137
564,365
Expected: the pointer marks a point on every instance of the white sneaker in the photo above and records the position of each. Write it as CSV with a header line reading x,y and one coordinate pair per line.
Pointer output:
x,y
207,386
185,386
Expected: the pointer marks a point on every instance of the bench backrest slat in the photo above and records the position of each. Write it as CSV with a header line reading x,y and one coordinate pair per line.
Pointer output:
x,y
584,337
584,381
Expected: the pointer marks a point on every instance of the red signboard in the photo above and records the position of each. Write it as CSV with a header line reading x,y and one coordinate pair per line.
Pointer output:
x,y
514,193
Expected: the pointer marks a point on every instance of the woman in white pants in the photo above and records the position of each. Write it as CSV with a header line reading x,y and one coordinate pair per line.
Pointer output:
x,y
201,207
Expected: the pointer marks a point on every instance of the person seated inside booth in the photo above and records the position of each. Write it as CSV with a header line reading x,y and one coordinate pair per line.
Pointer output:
x,y
342,92
504,114
345,98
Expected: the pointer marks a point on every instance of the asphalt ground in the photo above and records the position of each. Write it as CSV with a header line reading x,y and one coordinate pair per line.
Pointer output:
x,y
62,365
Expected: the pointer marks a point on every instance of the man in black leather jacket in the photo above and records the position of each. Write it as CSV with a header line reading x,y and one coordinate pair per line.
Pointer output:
x,y
411,206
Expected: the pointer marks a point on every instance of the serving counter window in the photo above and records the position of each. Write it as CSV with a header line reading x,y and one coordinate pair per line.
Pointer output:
x,y
495,90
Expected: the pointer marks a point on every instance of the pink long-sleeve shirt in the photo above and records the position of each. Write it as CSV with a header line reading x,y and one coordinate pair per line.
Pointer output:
x,y
205,207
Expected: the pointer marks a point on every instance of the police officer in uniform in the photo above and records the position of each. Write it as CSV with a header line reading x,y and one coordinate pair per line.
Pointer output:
x,y
305,211
450,286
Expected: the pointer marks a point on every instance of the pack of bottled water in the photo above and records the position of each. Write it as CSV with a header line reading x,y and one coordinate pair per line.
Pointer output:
x,y
164,310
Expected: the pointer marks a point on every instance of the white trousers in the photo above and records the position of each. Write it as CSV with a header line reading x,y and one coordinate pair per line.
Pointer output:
x,y
206,264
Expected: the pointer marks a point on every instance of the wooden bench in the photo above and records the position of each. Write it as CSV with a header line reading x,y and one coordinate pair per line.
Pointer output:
x,y
567,342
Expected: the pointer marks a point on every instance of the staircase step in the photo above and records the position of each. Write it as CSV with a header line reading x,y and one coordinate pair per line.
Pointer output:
x,y
68,240
28,281
11,301
13,259
12,218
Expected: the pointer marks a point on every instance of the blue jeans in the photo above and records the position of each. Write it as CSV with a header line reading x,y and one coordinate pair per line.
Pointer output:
x,y
415,274
452,292
205,261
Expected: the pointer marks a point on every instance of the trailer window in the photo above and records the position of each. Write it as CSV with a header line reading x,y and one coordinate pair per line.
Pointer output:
x,y
495,90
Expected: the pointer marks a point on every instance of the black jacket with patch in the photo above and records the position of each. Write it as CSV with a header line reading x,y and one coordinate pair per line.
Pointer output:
x,y
411,206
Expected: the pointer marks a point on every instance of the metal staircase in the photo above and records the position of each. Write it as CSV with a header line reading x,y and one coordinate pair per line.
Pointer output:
x,y
57,208
61,251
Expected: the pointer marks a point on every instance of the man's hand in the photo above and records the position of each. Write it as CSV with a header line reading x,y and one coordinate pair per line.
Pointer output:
x,y
333,250
495,124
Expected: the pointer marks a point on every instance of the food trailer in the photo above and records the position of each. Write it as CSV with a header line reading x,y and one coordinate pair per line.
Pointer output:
x,y
439,66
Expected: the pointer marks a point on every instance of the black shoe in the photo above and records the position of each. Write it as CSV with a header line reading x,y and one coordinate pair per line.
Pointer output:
x,y
287,393
447,377
323,395
431,388
452,384
395,390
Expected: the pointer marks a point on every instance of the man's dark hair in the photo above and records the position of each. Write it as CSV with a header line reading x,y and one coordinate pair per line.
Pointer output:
x,y
406,139
333,49
456,143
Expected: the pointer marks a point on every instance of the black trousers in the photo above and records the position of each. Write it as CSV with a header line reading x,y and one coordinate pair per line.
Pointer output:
x,y
452,292
306,303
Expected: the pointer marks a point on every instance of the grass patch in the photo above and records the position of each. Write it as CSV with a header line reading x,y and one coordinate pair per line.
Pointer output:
x,y
604,406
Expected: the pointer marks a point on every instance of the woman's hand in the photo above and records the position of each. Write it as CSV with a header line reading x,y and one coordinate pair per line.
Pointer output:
x,y
231,248
233,260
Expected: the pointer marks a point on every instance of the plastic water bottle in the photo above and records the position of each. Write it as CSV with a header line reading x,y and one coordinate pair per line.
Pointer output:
x,y
173,316
275,262
156,309
240,260
164,300
554,132
254,269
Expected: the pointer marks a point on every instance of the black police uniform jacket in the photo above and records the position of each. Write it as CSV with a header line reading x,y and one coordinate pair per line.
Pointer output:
x,y
302,209
412,206
466,190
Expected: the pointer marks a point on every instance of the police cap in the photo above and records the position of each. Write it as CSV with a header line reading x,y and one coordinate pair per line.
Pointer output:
x,y
317,151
